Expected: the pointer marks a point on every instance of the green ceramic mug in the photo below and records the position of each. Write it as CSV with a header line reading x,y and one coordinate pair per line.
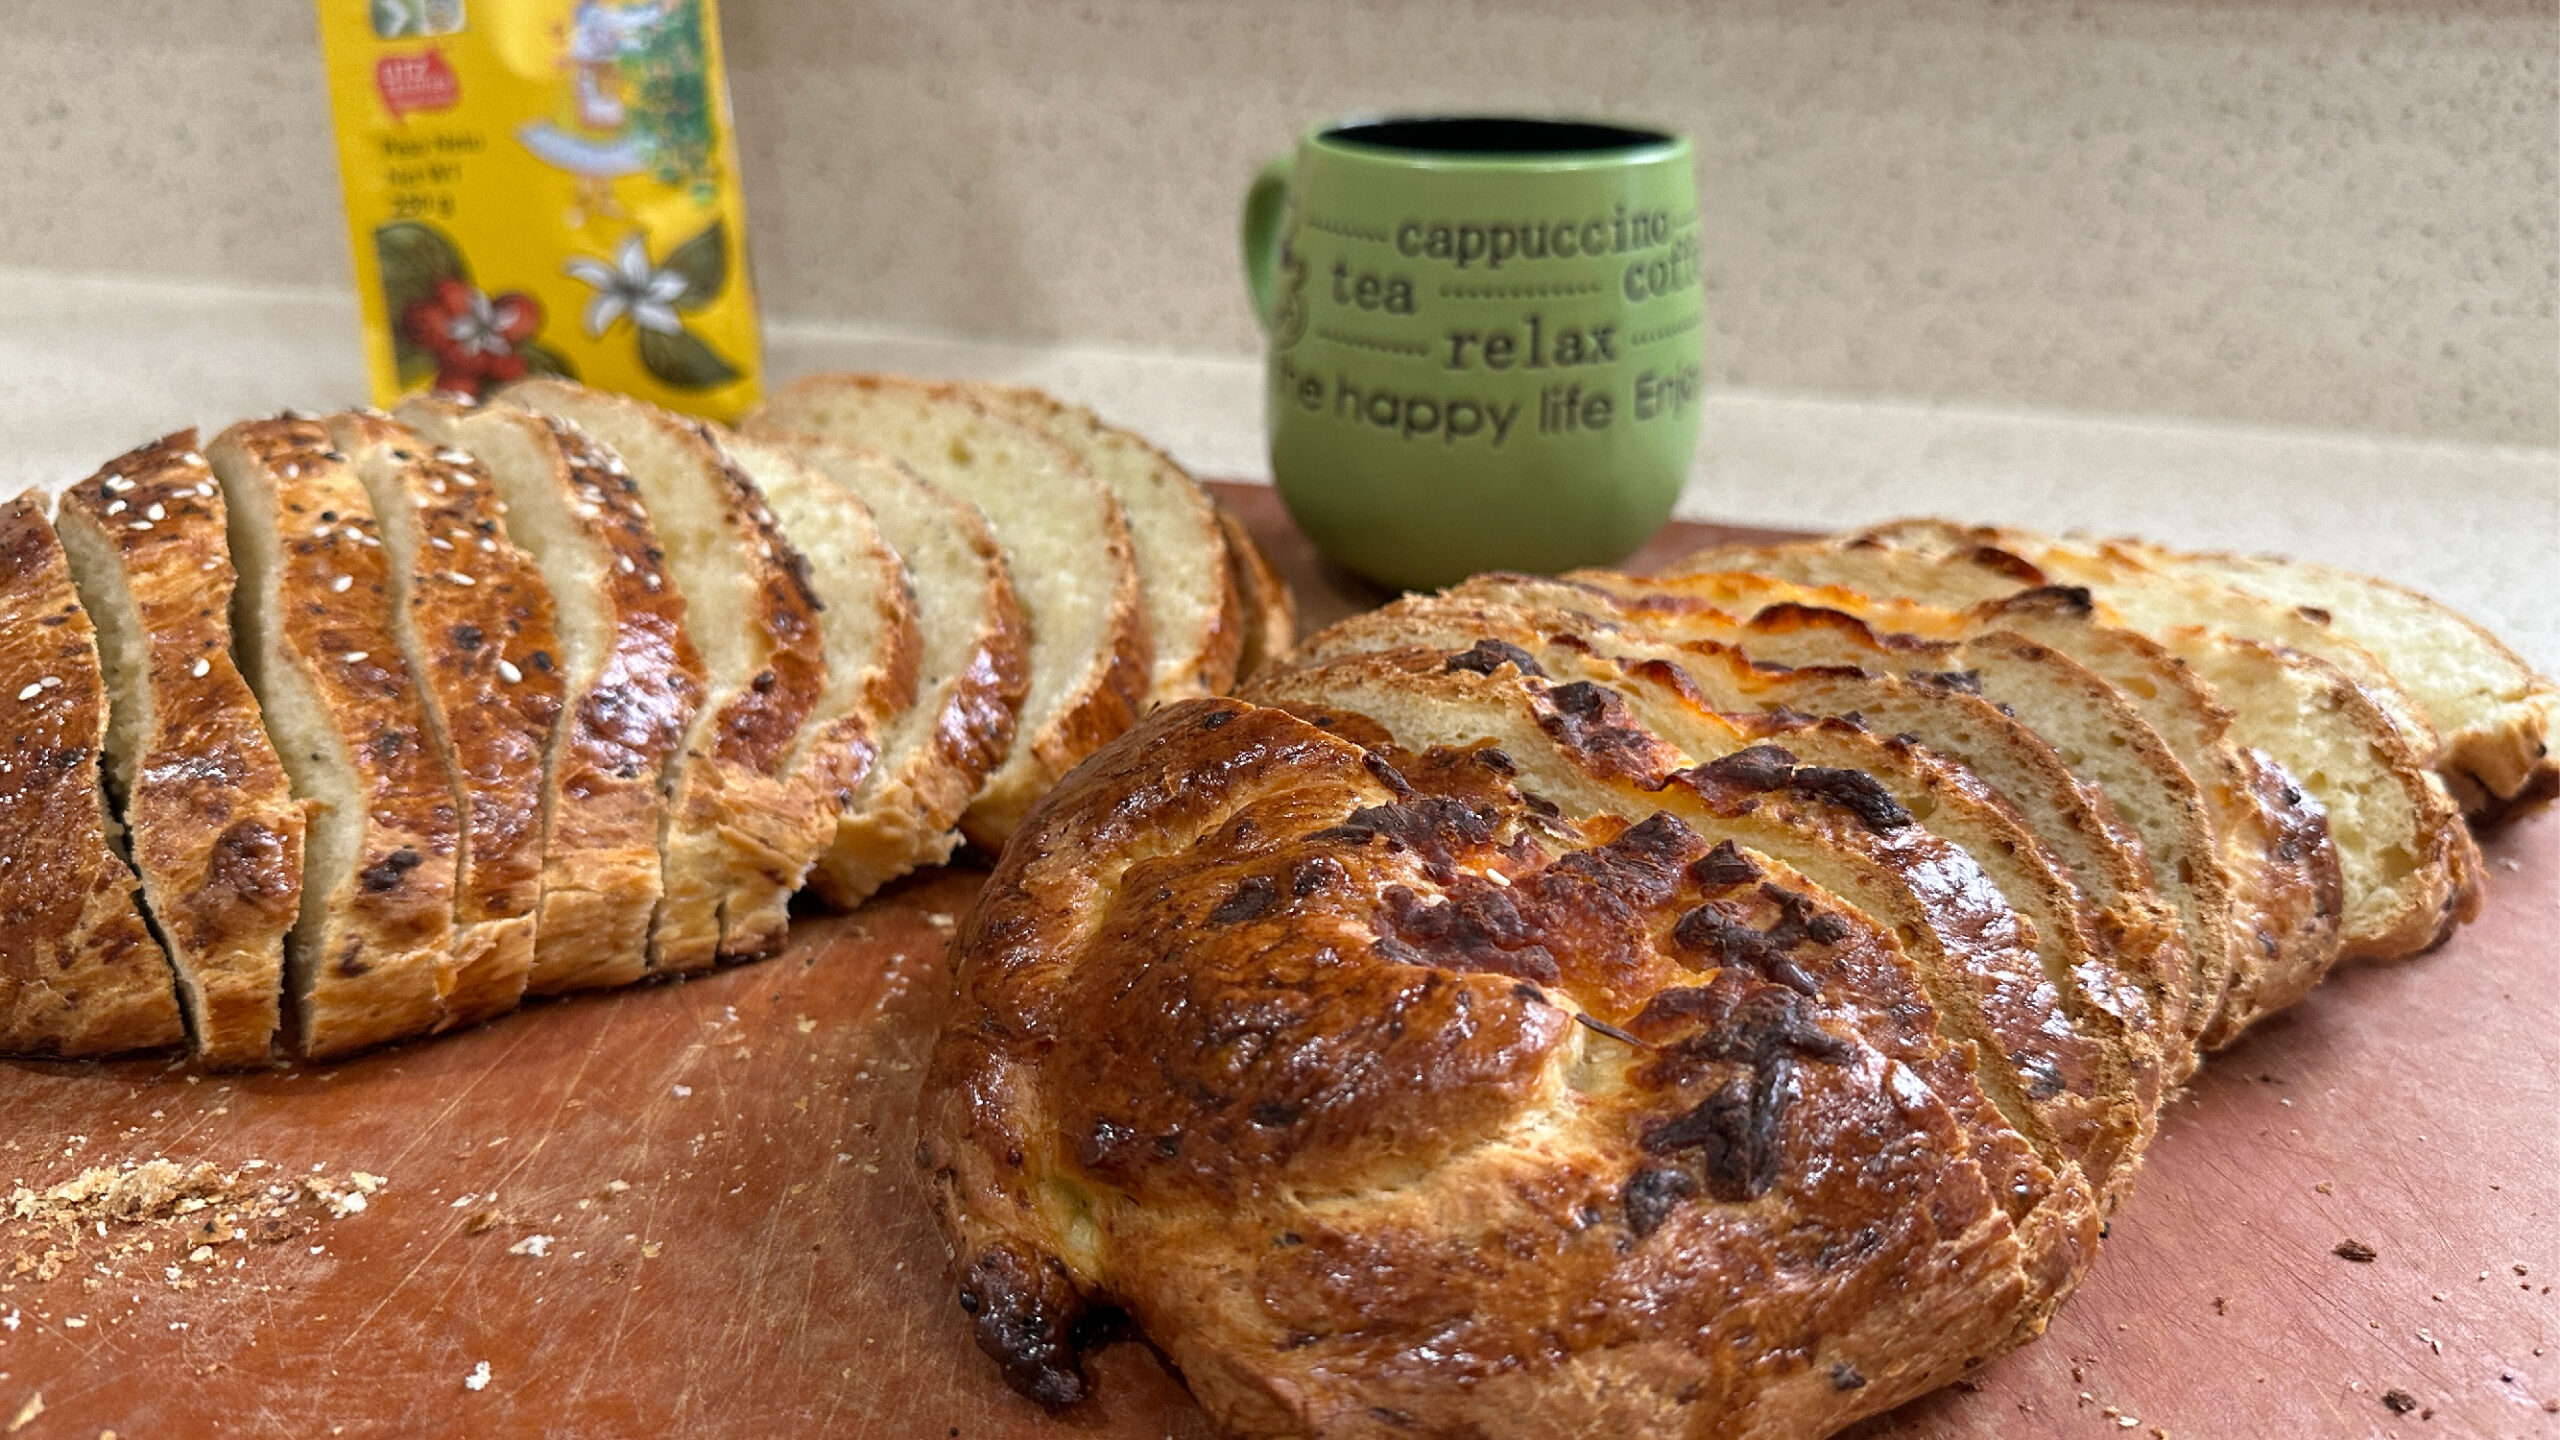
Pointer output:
x,y
1485,340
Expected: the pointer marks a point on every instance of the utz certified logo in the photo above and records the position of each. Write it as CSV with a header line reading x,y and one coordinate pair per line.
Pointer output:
x,y
421,82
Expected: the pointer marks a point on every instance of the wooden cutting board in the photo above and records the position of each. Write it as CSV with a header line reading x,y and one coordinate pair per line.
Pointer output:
x,y
690,1209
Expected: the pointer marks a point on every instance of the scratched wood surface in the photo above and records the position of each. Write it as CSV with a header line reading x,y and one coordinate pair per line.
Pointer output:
x,y
689,1209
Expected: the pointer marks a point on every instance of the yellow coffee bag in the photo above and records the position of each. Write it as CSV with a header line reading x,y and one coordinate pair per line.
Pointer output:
x,y
544,187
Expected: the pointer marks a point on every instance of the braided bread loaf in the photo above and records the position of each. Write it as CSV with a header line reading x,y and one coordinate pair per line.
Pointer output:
x,y
1701,1007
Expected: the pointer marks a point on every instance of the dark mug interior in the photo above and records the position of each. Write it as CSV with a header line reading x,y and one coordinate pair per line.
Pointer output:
x,y
1492,135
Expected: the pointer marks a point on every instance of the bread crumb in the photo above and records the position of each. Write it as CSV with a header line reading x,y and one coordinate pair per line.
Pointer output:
x,y
2355,1250
478,1379
28,1412
536,1246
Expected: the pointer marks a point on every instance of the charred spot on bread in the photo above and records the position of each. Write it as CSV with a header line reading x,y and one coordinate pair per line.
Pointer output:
x,y
1488,655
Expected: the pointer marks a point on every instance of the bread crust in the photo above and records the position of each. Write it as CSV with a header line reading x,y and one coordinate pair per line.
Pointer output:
x,y
2498,765
937,751
873,650
79,971
626,706
477,632
1195,648
209,815
2389,910
1690,694
1470,1163
731,813
371,958
1270,610
1106,687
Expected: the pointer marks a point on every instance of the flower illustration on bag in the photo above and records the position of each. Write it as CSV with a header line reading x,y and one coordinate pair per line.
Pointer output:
x,y
445,328
655,299
473,336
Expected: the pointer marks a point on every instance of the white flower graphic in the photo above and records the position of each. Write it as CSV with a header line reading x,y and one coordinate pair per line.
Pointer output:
x,y
483,324
630,286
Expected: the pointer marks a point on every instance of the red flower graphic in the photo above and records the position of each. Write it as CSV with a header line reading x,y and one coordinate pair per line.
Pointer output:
x,y
473,337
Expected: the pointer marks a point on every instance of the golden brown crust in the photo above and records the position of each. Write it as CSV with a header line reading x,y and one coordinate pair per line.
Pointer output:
x,y
626,705
1096,692
79,971
2392,908
939,750
371,959
731,813
873,649
1270,611
210,817
479,639
1829,662
1671,689
1403,1191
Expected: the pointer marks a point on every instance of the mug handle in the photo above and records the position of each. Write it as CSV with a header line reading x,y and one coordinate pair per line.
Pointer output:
x,y
1263,204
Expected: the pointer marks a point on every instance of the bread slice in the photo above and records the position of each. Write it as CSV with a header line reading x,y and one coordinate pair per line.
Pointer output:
x,y
754,621
474,621
1662,687
1066,545
1270,611
2356,743
1187,583
630,683
2271,887
370,958
79,971
1831,664
873,643
972,671
1578,748
209,816
2494,716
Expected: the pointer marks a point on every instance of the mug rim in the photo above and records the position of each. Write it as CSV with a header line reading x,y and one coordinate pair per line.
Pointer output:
x,y
1654,142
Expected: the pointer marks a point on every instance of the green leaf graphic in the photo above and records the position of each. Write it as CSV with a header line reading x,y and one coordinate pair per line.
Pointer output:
x,y
684,361
414,258
703,261
543,360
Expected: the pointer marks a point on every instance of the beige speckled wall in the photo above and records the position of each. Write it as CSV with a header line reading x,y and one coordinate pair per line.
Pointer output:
x,y
2285,211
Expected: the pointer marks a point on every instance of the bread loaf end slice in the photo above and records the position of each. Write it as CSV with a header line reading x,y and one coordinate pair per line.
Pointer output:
x,y
209,815
1066,545
972,671
1187,583
630,683
1270,611
2494,715
371,958
474,621
79,971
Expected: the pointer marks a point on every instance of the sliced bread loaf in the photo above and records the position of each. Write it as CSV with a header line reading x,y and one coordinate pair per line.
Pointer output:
x,y
754,621
630,682
2357,744
1066,545
79,971
1187,583
972,671
2272,885
2112,1008
1578,749
1270,611
474,621
869,620
371,957
209,815
2494,716
1831,664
